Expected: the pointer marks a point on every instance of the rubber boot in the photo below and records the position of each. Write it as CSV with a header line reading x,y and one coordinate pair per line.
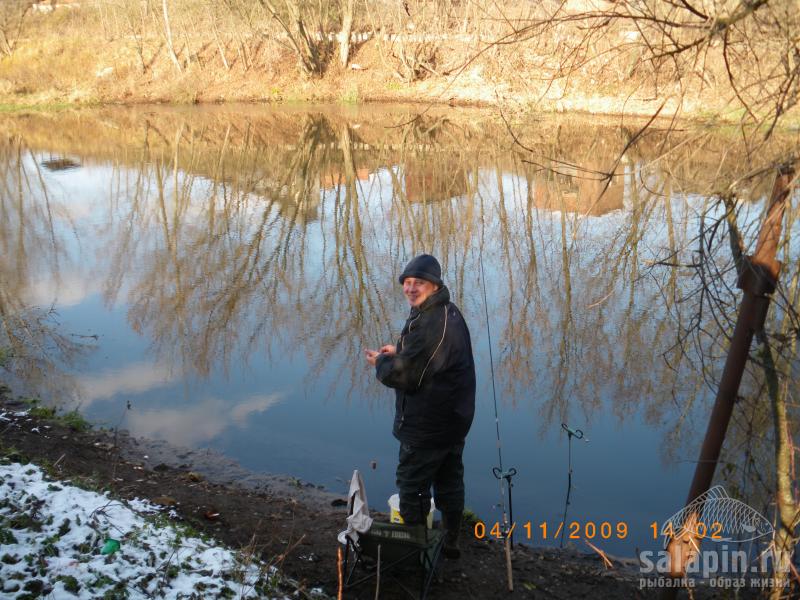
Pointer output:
x,y
451,523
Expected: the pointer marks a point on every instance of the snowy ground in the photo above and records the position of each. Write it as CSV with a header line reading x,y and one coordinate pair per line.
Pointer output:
x,y
60,541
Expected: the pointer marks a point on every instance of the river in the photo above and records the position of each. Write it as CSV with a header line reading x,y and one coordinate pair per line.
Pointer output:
x,y
210,276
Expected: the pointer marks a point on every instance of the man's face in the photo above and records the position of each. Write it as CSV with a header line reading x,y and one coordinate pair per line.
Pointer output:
x,y
418,290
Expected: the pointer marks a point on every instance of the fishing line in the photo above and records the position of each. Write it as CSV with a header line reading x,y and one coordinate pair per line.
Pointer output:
x,y
504,477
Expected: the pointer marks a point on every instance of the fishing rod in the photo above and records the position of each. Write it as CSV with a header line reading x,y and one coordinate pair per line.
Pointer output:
x,y
503,476
577,434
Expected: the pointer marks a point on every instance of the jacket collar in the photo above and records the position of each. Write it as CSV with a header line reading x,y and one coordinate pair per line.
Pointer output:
x,y
439,297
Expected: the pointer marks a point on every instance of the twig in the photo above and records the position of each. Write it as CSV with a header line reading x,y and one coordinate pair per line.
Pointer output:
x,y
603,299
282,557
248,556
101,510
378,576
509,570
606,561
163,579
339,571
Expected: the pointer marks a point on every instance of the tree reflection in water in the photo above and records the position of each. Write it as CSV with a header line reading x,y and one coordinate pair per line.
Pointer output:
x,y
281,231
33,350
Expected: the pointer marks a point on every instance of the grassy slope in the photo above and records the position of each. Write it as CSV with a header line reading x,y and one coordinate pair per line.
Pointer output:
x,y
68,57
85,57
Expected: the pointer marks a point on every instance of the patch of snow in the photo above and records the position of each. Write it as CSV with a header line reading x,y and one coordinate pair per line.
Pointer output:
x,y
53,532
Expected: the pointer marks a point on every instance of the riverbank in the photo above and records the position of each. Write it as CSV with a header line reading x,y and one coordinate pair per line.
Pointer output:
x,y
288,524
370,83
99,54
292,524
54,66
107,82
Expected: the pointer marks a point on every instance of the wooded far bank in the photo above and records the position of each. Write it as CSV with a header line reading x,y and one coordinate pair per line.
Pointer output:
x,y
734,60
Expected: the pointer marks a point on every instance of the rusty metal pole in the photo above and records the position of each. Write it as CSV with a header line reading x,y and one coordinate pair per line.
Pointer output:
x,y
757,279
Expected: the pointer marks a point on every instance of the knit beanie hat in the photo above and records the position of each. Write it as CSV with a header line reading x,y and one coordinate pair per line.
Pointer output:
x,y
424,267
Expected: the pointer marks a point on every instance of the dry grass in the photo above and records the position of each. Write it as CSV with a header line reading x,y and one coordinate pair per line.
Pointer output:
x,y
109,53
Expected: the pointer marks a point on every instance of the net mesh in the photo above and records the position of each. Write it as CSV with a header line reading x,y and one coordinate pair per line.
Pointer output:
x,y
715,515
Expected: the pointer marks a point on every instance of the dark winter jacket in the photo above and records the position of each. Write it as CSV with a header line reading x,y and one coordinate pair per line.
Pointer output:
x,y
433,374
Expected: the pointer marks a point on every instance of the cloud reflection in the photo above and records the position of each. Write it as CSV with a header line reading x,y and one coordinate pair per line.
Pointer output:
x,y
199,423
69,289
131,379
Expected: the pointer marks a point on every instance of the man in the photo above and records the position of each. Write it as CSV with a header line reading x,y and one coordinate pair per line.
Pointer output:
x,y
433,374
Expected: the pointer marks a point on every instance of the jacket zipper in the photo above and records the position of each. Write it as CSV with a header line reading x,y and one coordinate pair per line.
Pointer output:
x,y
400,347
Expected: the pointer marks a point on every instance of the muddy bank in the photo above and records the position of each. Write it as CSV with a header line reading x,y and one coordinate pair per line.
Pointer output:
x,y
291,524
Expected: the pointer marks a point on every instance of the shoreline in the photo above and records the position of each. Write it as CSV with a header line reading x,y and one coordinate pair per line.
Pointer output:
x,y
13,105
674,122
292,523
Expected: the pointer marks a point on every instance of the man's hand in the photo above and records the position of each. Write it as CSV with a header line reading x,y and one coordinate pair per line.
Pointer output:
x,y
371,356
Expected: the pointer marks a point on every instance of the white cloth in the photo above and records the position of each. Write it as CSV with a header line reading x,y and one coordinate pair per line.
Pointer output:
x,y
358,520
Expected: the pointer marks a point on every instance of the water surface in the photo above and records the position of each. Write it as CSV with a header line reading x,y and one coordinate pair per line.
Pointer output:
x,y
216,273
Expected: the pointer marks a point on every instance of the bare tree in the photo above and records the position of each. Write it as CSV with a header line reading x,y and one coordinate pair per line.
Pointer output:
x,y
415,46
293,20
721,255
750,48
12,19
135,18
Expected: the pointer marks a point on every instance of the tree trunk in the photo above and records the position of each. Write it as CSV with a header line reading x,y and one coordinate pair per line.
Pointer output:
x,y
218,41
168,34
5,46
788,509
309,57
785,537
11,21
348,7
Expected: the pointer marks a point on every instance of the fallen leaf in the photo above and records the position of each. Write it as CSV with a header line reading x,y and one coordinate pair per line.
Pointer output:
x,y
164,501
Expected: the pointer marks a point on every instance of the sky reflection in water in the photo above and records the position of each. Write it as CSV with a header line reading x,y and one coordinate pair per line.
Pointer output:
x,y
235,266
